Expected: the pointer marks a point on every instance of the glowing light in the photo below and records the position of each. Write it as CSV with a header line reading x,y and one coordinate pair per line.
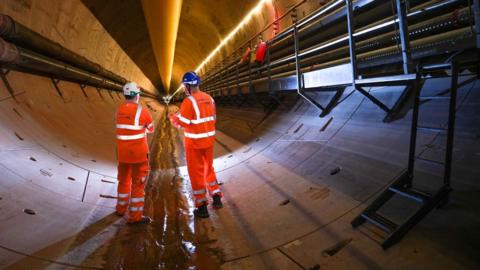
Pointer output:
x,y
163,18
254,11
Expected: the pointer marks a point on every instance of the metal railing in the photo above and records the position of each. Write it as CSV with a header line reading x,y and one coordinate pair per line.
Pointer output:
x,y
381,37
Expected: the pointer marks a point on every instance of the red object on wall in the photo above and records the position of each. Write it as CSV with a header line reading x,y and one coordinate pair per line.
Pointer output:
x,y
245,56
261,51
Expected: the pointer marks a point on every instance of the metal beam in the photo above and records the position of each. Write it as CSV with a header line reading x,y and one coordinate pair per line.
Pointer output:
x,y
404,38
476,8
9,87
373,99
351,41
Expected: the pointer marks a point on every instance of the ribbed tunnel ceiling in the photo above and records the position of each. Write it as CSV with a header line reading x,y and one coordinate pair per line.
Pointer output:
x,y
200,30
162,21
132,34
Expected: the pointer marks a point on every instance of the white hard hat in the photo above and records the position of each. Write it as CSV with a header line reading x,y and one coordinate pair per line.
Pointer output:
x,y
131,89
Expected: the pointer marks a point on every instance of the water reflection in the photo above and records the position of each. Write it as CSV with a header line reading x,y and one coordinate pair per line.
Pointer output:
x,y
169,242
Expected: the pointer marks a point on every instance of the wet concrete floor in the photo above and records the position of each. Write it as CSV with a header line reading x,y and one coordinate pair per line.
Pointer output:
x,y
291,189
173,240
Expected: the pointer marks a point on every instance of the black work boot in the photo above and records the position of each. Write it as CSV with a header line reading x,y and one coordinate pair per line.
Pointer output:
x,y
217,202
143,220
201,211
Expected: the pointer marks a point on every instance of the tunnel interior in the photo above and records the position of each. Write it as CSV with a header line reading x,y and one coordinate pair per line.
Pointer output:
x,y
298,160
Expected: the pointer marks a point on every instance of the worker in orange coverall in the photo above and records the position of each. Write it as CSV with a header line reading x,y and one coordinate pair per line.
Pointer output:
x,y
197,117
133,122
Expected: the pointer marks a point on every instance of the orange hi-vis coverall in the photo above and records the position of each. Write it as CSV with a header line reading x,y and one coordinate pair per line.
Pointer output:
x,y
133,122
197,117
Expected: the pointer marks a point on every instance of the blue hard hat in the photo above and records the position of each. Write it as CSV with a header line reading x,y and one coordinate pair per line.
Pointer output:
x,y
191,78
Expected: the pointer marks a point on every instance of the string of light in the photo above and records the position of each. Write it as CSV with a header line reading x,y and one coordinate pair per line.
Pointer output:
x,y
254,11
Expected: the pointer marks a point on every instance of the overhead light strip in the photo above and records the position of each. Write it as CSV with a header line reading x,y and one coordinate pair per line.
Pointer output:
x,y
256,10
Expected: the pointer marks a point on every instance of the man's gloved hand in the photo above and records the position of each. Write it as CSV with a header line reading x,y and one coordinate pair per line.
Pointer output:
x,y
149,128
174,120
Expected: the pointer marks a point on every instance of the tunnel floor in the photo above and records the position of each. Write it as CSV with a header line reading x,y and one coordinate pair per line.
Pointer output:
x,y
292,183
172,241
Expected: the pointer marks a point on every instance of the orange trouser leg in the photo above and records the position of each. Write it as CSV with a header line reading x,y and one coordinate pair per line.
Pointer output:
x,y
124,185
137,199
195,166
209,172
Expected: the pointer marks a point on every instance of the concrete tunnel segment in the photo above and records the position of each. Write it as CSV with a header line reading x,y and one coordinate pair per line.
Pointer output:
x,y
292,184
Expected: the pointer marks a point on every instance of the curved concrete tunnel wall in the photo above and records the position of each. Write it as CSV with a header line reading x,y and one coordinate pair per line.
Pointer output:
x,y
276,172
50,148
73,26
297,180
287,204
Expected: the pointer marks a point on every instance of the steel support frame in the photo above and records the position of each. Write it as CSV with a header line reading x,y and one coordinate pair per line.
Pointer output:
x,y
404,38
236,76
271,92
353,58
450,129
55,83
437,199
269,70
379,201
451,125
373,99
351,42
99,93
82,87
401,102
429,202
413,132
110,94
355,4
333,102
300,82
3,75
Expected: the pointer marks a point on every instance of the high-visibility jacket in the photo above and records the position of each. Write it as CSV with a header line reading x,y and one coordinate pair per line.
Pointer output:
x,y
133,122
197,117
